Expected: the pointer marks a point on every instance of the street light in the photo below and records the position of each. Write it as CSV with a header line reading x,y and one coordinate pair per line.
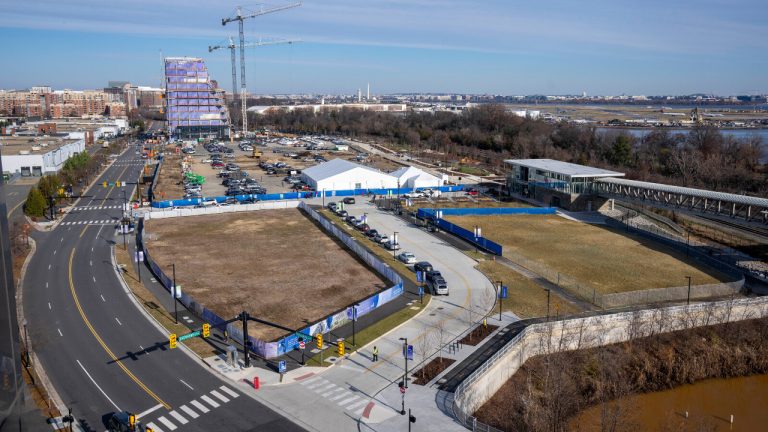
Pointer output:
x,y
354,318
549,292
501,299
689,289
405,354
173,296
394,244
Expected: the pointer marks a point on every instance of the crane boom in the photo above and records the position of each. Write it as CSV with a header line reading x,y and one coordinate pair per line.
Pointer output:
x,y
240,17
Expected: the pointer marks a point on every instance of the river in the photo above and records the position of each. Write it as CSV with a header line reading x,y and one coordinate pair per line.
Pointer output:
x,y
709,404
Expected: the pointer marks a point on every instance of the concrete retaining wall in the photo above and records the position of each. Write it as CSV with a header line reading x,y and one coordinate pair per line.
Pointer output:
x,y
579,333
678,293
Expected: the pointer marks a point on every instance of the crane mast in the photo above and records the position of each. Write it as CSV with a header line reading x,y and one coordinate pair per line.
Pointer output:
x,y
240,18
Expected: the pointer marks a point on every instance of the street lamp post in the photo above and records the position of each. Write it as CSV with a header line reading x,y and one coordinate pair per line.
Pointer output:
x,y
405,354
501,299
123,225
689,289
354,318
394,244
173,296
549,293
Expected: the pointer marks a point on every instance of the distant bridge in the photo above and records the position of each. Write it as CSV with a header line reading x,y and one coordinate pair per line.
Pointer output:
x,y
751,209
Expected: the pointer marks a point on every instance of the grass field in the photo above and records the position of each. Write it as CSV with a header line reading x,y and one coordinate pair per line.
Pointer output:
x,y
276,264
607,260
525,298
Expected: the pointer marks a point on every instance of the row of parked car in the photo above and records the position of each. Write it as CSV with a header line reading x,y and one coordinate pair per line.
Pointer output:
x,y
433,279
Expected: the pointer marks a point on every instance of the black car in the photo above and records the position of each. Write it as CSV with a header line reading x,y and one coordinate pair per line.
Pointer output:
x,y
249,200
349,200
332,205
371,233
350,219
433,275
343,214
423,266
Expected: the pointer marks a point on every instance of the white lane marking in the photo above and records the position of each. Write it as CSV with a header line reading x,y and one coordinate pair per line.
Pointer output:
x,y
346,401
46,284
229,391
54,251
154,427
118,321
49,305
102,298
182,381
49,266
310,380
92,248
328,387
145,413
189,411
97,386
339,396
358,404
179,418
209,401
60,332
220,396
62,240
326,394
91,262
94,279
318,384
167,423
199,406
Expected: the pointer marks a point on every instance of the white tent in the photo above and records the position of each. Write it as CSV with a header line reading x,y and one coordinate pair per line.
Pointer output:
x,y
340,174
411,177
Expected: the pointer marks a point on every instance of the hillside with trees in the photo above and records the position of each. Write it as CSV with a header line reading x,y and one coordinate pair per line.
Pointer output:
x,y
703,158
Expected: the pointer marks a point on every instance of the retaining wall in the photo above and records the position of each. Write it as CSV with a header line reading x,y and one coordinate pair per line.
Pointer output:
x,y
271,349
589,332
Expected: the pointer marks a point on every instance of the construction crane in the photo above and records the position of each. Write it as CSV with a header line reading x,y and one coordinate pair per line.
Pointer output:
x,y
231,46
240,17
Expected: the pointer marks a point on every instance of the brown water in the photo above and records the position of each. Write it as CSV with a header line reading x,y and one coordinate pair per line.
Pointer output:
x,y
709,405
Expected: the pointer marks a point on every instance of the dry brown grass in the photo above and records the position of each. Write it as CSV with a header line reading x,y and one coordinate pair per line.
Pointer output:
x,y
602,258
276,264
525,298
169,179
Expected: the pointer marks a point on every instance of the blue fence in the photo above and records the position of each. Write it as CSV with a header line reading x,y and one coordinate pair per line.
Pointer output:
x,y
284,345
297,195
480,242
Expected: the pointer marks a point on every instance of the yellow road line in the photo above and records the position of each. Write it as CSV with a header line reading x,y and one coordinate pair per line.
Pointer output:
x,y
83,231
101,342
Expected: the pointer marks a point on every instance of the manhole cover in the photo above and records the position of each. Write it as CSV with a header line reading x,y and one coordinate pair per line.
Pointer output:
x,y
431,314
440,308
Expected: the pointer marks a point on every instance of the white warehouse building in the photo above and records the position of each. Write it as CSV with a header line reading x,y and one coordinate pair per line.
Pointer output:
x,y
412,177
36,156
340,174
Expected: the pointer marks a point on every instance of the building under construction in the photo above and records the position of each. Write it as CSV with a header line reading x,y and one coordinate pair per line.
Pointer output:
x,y
194,107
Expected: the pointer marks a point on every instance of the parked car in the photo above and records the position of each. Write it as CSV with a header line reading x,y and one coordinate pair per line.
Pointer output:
x,y
415,194
371,233
437,286
332,206
407,257
433,274
363,227
472,192
392,246
383,238
350,220
422,266
349,200
249,200
343,214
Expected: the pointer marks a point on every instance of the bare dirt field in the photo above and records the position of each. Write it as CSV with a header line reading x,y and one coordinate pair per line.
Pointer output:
x,y
169,179
607,260
276,264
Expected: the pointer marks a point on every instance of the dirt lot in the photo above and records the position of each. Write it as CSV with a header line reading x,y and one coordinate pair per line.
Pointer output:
x,y
169,180
604,259
276,264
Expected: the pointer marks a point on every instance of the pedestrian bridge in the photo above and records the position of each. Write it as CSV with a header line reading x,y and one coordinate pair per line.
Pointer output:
x,y
751,209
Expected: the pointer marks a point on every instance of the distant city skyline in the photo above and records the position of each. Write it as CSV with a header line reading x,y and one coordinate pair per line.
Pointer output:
x,y
558,47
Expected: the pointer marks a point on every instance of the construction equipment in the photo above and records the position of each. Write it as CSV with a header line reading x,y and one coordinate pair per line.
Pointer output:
x,y
232,46
240,17
257,154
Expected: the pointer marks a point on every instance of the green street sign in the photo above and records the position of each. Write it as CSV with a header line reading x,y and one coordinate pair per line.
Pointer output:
x,y
189,335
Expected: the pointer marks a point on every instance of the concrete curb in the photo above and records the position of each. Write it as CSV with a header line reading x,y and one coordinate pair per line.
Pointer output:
x,y
53,395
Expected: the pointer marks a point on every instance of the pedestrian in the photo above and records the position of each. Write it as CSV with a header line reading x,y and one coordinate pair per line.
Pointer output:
x,y
375,353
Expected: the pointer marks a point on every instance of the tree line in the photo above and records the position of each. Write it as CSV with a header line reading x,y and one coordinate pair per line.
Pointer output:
x,y
703,158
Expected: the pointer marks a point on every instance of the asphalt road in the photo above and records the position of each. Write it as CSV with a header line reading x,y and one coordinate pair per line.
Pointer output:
x,y
99,352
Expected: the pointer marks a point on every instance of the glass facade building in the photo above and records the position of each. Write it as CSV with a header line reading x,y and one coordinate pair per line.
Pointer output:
x,y
194,108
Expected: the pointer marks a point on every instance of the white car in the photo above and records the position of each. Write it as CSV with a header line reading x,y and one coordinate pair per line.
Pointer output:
x,y
407,258
383,238
392,246
416,194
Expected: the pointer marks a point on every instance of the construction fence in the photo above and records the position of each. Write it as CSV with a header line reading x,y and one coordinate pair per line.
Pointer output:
x,y
272,349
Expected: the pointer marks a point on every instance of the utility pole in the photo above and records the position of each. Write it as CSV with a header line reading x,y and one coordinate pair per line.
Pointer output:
x,y
405,355
240,17
173,296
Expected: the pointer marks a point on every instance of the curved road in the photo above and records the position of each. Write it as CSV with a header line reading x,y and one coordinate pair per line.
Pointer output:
x,y
98,351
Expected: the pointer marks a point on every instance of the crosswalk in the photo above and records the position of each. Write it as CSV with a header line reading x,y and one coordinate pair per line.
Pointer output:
x,y
191,410
343,397
91,222
99,207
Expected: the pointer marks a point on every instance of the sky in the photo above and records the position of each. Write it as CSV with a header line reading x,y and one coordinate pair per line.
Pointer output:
x,y
507,47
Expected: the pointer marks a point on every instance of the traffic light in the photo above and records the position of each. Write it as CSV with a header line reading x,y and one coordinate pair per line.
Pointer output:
x,y
319,340
131,420
206,330
340,348
172,340
104,184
